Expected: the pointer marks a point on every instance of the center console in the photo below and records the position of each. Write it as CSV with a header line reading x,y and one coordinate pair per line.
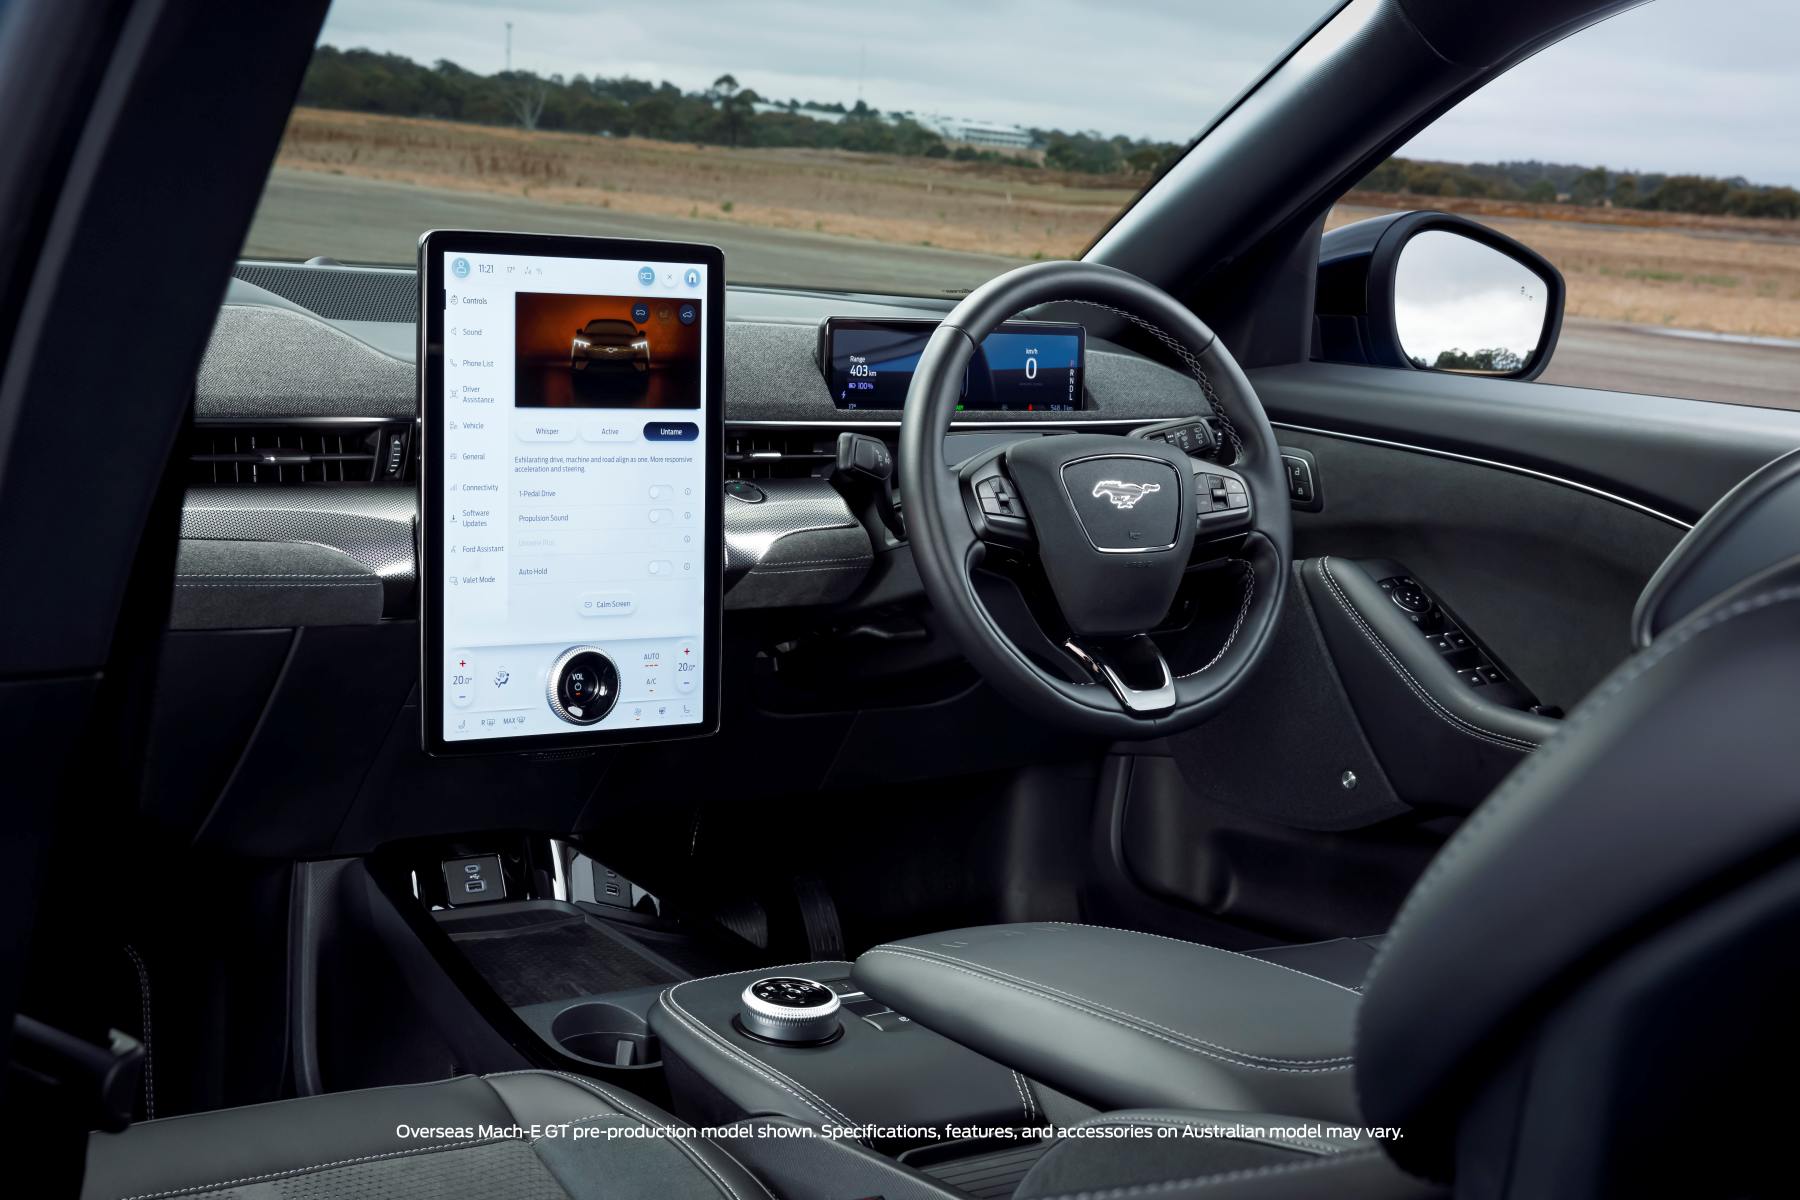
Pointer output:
x,y
806,1043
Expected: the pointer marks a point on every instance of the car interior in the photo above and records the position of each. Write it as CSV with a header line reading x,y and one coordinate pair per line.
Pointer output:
x,y
1381,777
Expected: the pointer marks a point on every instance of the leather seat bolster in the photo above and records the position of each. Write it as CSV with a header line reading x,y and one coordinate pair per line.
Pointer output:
x,y
421,1139
1179,1153
1118,1018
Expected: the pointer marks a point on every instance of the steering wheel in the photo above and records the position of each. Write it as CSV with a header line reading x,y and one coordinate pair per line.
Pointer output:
x,y
1112,525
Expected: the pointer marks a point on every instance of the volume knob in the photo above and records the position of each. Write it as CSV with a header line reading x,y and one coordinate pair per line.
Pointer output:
x,y
583,685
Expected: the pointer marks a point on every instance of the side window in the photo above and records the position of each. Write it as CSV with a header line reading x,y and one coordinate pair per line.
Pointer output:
x,y
1652,160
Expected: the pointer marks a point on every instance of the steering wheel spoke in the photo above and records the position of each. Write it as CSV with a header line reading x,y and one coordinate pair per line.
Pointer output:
x,y
1222,501
997,513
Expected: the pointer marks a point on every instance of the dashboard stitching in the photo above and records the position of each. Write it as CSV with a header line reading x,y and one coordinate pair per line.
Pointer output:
x,y
1236,628
1460,724
1134,1024
357,582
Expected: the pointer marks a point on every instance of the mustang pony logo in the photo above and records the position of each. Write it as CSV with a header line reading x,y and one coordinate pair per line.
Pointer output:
x,y
1124,495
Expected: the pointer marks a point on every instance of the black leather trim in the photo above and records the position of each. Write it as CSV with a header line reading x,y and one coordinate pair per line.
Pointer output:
x,y
1344,961
900,1077
1213,1154
1677,771
1119,1018
290,1139
1438,741
1754,526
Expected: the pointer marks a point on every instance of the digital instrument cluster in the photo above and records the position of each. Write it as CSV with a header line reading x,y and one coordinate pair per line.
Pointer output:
x,y
1023,366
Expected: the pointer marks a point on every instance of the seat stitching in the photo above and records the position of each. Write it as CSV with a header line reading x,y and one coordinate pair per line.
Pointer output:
x,y
1133,1027
680,1142
1236,628
713,1042
1458,723
1213,949
342,1162
1119,1012
143,977
1298,1143
1207,1181
1508,792
1024,1105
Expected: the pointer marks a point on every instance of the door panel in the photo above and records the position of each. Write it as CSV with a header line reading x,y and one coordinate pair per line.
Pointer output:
x,y
1676,456
1542,541
1545,574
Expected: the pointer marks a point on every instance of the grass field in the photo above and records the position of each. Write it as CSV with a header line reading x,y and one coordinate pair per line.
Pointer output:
x,y
1689,272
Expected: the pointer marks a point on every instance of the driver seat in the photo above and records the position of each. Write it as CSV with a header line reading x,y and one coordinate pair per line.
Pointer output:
x,y
1604,941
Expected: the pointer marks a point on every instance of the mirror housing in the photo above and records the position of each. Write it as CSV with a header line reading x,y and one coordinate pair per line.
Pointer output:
x,y
1372,296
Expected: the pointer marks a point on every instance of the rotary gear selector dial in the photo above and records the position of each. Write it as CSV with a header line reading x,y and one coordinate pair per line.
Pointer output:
x,y
583,685
784,1008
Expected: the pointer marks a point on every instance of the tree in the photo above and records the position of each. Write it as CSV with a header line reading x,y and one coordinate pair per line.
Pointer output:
x,y
1541,192
736,105
1589,187
526,97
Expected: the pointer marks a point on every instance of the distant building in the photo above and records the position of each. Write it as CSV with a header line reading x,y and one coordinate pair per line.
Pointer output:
x,y
990,135
760,107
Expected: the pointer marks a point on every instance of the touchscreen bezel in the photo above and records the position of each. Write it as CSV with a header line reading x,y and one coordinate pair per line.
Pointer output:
x,y
829,327
433,248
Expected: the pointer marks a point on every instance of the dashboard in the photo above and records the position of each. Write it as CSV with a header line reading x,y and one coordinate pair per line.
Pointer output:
x,y
310,379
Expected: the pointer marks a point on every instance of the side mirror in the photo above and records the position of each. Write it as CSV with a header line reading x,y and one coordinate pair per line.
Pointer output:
x,y
1433,291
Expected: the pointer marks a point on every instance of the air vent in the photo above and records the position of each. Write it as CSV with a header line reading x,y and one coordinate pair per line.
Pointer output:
x,y
289,455
779,453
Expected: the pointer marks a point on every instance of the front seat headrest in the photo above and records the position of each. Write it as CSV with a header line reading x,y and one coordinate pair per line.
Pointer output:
x,y
1754,526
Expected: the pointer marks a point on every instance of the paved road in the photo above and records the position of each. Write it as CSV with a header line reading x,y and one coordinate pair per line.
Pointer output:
x,y
1632,358
359,220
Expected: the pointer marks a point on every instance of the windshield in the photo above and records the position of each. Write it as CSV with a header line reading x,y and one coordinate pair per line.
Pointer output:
x,y
918,148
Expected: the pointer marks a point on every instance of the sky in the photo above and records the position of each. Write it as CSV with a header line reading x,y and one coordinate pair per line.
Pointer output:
x,y
1677,86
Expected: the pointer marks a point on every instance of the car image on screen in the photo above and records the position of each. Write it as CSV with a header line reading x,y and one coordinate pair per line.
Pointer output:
x,y
606,343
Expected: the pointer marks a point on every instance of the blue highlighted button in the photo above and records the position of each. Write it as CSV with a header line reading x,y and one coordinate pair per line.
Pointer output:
x,y
671,431
646,275
640,312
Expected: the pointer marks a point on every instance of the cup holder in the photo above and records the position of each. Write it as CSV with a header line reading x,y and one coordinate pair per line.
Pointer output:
x,y
606,1034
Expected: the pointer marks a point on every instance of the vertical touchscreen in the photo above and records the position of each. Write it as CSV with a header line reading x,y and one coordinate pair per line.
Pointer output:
x,y
575,466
